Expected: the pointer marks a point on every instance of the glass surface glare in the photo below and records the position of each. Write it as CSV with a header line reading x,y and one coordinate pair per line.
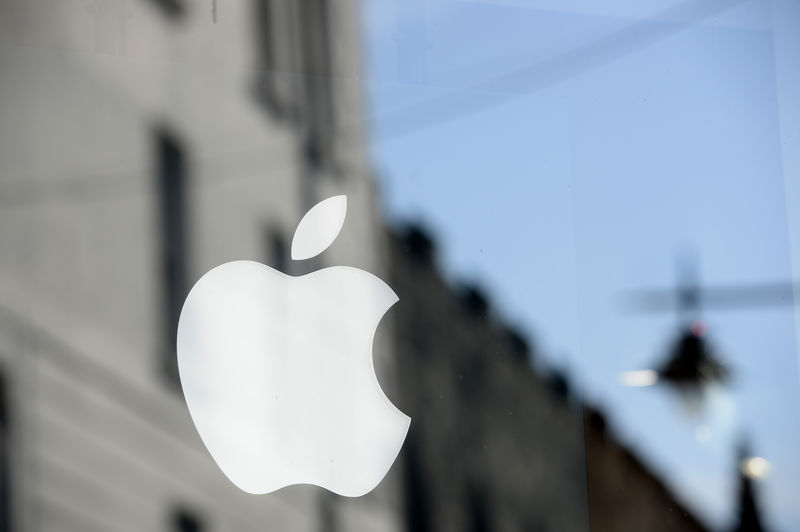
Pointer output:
x,y
574,157
243,243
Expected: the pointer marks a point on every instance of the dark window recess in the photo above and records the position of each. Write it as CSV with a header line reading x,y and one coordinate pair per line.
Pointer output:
x,y
317,71
416,497
171,182
293,68
277,252
275,80
479,520
174,9
327,512
264,87
184,521
264,19
5,462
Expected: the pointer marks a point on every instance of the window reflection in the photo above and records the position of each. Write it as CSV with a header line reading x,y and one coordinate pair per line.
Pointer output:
x,y
522,175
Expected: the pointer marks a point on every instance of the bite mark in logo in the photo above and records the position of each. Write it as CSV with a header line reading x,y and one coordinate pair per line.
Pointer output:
x,y
277,370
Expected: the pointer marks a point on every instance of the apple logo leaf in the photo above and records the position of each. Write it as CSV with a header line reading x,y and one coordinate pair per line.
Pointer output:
x,y
319,228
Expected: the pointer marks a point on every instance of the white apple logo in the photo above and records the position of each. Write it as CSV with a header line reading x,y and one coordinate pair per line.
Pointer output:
x,y
277,370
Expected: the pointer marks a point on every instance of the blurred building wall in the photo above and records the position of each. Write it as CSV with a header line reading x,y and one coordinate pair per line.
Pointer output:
x,y
143,142
498,440
624,494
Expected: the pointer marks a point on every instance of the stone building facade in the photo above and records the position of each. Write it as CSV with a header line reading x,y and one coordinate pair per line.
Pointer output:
x,y
143,142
